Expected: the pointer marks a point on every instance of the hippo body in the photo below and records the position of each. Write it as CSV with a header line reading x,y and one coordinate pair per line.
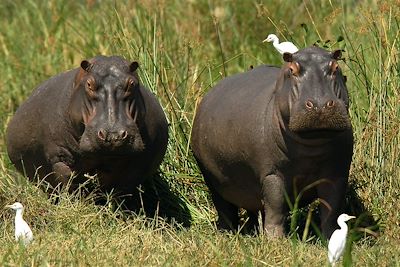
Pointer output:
x,y
259,134
96,119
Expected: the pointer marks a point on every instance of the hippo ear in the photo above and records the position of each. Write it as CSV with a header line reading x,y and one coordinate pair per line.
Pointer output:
x,y
134,65
337,54
288,57
86,65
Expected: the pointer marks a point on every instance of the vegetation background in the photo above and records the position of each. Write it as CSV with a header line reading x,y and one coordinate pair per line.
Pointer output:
x,y
184,48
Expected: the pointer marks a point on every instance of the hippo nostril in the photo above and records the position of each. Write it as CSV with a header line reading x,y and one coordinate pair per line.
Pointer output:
x,y
123,134
309,104
101,134
330,104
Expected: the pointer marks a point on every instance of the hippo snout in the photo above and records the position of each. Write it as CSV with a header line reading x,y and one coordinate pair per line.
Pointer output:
x,y
112,136
111,139
321,114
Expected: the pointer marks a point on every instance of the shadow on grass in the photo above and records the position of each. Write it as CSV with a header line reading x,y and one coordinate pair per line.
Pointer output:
x,y
365,223
155,198
152,198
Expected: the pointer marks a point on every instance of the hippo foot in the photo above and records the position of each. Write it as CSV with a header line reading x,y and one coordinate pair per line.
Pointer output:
x,y
64,175
224,226
274,231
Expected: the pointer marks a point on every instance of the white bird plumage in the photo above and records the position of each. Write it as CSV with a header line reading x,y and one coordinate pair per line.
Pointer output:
x,y
337,241
284,47
22,230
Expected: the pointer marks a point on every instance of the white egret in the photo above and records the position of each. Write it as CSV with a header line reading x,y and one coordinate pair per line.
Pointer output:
x,y
284,47
22,230
337,241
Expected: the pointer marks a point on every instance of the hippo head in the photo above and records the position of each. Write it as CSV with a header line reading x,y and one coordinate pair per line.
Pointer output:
x,y
311,92
107,106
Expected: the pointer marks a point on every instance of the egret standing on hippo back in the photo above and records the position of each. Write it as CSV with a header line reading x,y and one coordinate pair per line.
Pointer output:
x,y
268,131
95,119
284,47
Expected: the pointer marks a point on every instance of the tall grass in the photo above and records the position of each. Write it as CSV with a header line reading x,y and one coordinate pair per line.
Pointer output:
x,y
374,65
184,48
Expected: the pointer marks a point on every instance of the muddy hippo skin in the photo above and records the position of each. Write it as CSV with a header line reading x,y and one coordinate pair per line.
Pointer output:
x,y
96,119
268,131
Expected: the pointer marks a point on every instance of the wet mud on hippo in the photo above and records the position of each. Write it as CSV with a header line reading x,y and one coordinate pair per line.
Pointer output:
x,y
96,119
271,131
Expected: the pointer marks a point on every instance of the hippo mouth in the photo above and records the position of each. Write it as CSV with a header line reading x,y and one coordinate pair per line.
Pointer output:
x,y
321,122
319,127
89,144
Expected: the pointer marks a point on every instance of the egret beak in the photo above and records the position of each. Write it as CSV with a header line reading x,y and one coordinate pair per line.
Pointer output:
x,y
265,40
352,217
8,206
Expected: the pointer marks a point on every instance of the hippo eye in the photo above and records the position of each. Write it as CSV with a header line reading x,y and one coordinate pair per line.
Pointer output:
x,y
294,68
90,85
131,83
333,67
130,86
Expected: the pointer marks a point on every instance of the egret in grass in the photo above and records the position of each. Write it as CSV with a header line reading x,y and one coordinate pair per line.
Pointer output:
x,y
284,47
337,241
22,230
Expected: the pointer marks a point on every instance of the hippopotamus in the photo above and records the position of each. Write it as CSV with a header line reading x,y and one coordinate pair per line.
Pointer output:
x,y
263,135
97,119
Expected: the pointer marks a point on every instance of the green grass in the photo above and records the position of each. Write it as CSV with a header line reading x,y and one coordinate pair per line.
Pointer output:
x,y
184,48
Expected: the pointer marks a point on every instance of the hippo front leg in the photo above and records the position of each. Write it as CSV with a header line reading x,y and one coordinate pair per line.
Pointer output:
x,y
333,194
273,201
60,160
63,174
